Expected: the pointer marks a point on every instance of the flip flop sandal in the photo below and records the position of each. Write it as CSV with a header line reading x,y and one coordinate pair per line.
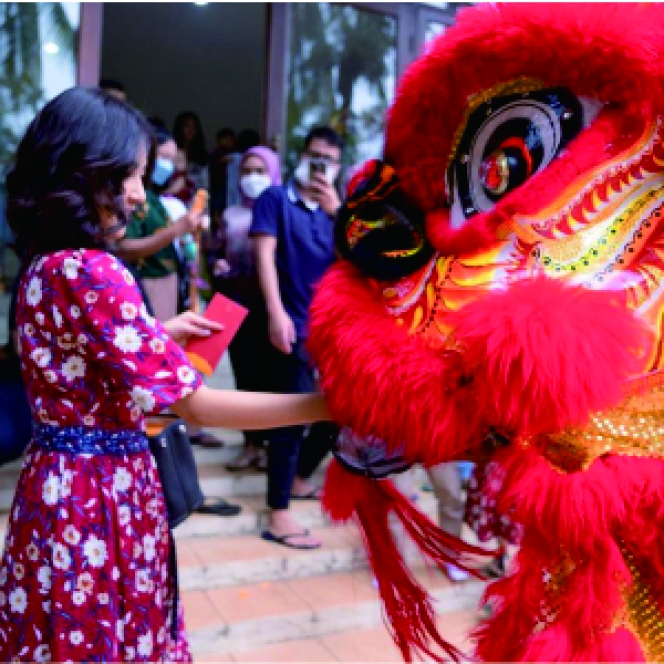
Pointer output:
x,y
314,494
206,440
284,540
244,463
219,507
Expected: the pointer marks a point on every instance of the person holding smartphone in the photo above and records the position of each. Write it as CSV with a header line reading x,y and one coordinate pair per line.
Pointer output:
x,y
293,231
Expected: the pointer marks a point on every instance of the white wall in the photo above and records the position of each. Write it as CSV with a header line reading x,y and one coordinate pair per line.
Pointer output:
x,y
173,57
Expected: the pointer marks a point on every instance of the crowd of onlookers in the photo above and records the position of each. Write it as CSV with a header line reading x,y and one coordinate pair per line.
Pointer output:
x,y
267,244
268,241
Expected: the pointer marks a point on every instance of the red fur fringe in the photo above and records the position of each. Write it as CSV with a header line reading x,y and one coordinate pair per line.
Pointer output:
x,y
408,610
545,355
580,515
381,381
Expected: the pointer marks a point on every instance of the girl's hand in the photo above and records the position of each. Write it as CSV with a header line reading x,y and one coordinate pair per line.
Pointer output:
x,y
189,324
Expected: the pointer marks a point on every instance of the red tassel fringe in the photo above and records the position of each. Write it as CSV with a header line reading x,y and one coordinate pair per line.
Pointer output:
x,y
408,608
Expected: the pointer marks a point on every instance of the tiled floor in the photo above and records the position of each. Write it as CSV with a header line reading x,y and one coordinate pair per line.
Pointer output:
x,y
308,650
369,645
200,611
322,592
255,601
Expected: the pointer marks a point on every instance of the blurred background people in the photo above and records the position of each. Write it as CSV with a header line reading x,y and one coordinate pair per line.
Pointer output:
x,y
234,275
247,138
188,134
447,482
225,146
149,241
113,88
181,186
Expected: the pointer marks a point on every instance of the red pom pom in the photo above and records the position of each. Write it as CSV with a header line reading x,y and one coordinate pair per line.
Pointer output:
x,y
545,355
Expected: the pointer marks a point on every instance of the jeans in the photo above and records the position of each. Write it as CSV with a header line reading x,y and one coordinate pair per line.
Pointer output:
x,y
294,450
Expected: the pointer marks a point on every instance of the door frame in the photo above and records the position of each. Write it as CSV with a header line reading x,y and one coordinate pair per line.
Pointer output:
x,y
88,65
425,14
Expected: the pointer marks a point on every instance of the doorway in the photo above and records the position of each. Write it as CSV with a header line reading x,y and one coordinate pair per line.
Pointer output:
x,y
208,58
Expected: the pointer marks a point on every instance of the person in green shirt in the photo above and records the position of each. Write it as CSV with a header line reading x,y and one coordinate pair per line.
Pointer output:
x,y
149,240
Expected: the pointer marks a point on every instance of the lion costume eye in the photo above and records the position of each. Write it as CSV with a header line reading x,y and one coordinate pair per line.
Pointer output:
x,y
507,140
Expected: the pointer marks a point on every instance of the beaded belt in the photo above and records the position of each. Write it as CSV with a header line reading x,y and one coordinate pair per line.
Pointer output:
x,y
89,440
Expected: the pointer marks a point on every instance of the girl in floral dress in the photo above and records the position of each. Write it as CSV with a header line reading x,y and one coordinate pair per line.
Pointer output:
x,y
85,574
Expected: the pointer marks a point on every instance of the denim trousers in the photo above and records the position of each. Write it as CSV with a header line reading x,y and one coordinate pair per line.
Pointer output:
x,y
298,450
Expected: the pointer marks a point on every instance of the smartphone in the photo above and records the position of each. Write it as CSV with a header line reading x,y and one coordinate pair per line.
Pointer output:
x,y
316,167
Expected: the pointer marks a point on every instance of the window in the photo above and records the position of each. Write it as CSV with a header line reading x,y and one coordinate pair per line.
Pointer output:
x,y
342,71
38,44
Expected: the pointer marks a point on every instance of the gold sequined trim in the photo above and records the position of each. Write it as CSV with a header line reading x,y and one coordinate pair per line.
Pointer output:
x,y
634,428
643,617
555,582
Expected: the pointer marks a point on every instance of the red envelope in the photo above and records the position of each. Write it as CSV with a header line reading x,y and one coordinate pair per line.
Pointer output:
x,y
205,353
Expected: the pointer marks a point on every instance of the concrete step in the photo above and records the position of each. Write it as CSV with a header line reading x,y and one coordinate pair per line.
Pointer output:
x,y
215,480
372,644
224,551
217,562
253,518
238,620
214,561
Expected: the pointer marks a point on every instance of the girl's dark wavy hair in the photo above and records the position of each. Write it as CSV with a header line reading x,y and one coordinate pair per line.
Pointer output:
x,y
69,169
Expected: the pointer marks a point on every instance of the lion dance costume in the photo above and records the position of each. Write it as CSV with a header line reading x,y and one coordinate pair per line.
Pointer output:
x,y
502,296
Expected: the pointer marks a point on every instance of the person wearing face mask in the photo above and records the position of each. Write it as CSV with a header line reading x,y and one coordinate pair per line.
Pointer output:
x,y
293,231
152,246
246,139
149,241
234,274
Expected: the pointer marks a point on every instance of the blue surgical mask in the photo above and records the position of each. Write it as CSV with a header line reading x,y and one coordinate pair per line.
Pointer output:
x,y
162,171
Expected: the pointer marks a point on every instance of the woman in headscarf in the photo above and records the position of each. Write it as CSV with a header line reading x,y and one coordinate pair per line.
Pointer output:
x,y
235,276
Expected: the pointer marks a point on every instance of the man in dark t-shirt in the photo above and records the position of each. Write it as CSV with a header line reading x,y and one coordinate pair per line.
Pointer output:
x,y
293,231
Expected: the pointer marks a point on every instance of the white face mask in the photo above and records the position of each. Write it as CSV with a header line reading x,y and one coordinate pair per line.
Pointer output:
x,y
254,184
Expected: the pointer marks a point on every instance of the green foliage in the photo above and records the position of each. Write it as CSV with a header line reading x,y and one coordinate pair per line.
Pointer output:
x,y
336,50
24,27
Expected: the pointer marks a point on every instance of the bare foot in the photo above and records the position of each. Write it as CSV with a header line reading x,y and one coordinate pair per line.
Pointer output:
x,y
282,523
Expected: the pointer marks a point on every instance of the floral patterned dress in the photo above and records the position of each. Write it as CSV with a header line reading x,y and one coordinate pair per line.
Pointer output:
x,y
85,574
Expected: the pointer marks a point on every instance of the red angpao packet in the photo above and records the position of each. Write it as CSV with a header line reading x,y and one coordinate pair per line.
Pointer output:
x,y
205,353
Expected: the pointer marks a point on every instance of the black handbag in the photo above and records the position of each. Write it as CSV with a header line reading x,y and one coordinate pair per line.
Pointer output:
x,y
15,415
172,451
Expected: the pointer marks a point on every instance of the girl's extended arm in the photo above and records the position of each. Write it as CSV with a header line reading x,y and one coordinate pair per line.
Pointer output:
x,y
233,409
